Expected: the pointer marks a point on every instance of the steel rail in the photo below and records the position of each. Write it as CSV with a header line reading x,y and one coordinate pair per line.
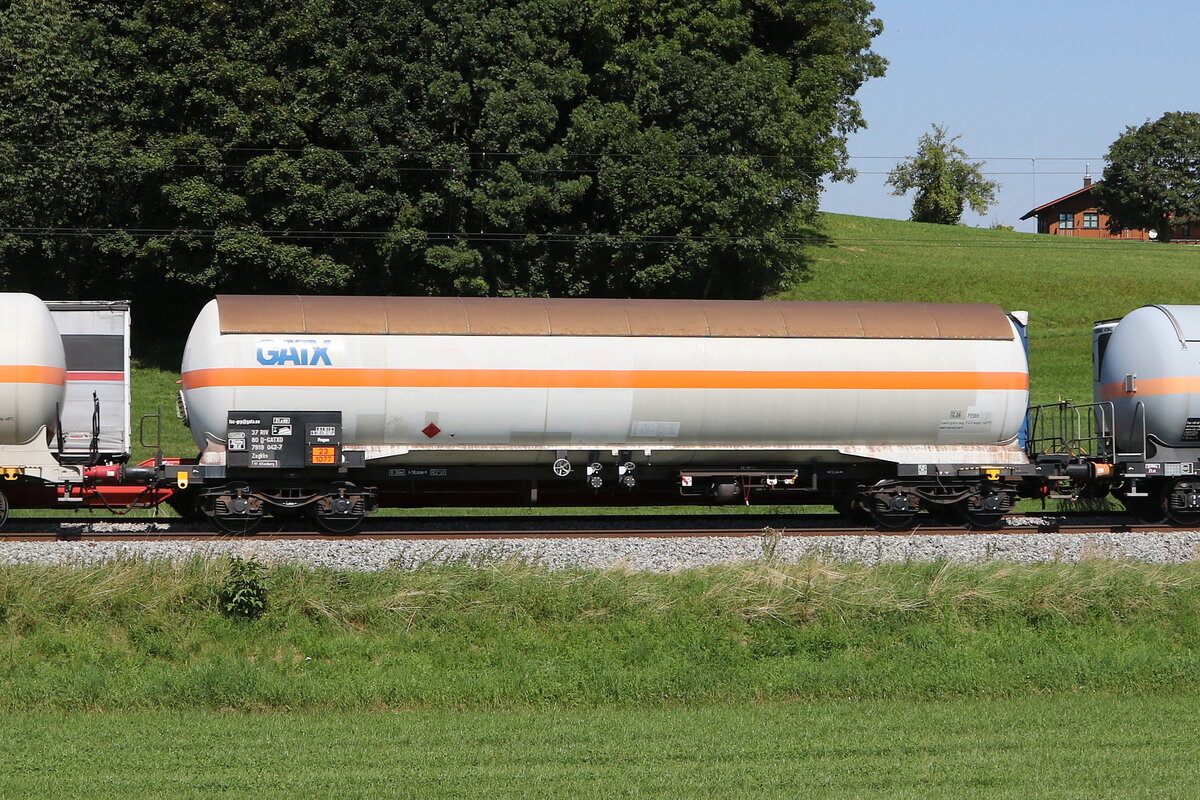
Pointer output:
x,y
556,527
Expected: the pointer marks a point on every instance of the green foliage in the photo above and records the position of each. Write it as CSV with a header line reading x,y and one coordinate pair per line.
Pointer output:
x,y
58,153
944,179
244,594
538,147
1152,179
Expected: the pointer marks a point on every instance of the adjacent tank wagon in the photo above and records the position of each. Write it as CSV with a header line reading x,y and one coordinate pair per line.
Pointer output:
x,y
1147,390
64,408
33,373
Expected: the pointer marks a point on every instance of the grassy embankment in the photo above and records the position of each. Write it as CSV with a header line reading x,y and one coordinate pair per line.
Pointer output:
x,y
765,680
136,636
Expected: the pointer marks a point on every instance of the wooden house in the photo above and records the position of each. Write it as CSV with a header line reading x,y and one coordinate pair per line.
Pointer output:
x,y
1075,214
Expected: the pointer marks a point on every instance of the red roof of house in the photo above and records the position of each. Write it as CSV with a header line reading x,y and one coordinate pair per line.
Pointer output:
x,y
1075,193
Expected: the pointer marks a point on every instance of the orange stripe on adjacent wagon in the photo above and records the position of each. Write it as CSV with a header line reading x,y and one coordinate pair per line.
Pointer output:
x,y
29,373
600,379
1149,387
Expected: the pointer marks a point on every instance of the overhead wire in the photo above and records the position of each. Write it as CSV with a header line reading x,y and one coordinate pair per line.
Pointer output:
x,y
1040,243
393,152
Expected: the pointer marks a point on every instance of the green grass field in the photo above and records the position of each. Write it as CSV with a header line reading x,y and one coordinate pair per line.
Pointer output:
x,y
907,681
1072,747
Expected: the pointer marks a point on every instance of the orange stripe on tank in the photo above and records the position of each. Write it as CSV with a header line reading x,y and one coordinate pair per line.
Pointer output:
x,y
29,373
1149,387
600,379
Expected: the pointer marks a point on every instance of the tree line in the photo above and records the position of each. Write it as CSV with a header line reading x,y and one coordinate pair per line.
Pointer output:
x,y
170,149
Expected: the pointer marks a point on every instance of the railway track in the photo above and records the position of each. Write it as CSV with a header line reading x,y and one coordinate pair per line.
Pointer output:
x,y
46,529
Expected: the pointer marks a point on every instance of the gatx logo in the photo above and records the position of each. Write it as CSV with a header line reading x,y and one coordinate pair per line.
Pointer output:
x,y
300,352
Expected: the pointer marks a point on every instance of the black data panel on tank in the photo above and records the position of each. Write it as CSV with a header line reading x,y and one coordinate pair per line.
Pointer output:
x,y
283,439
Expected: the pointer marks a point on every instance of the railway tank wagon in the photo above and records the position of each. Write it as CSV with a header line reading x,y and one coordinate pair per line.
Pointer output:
x,y
33,375
330,405
64,408
1147,381
33,379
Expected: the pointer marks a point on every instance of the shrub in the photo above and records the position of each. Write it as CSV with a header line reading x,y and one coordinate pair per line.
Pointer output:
x,y
244,594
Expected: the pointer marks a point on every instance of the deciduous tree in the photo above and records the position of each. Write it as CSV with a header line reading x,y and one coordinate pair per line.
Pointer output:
x,y
1152,179
535,147
944,178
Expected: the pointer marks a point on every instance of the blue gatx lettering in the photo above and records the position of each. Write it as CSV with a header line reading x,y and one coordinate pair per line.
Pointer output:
x,y
298,352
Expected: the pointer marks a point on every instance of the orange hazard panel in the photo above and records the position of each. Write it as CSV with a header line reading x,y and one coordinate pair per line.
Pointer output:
x,y
323,455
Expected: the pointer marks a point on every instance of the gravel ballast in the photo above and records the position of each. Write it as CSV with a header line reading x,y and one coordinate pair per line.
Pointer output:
x,y
634,553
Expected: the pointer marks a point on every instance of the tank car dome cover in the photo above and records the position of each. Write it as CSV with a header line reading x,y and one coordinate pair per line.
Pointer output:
x,y
495,316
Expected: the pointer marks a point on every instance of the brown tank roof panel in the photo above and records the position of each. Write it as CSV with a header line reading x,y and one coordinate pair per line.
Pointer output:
x,y
587,317
899,321
441,315
514,316
349,314
676,318
242,313
821,320
745,318
456,316
962,321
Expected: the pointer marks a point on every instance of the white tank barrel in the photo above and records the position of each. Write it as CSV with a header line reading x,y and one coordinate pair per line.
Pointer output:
x,y
1149,368
453,374
32,368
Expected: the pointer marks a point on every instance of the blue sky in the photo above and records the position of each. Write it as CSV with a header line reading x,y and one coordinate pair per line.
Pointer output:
x,y
1037,89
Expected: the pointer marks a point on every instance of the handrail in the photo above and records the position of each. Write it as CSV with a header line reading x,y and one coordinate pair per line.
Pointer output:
x,y
1078,430
1174,324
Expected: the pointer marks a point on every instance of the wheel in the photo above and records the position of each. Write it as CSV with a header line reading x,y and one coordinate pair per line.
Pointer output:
x,y
1183,503
983,520
342,510
3,508
894,512
234,509
187,506
1146,509
238,526
331,524
894,521
1150,509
